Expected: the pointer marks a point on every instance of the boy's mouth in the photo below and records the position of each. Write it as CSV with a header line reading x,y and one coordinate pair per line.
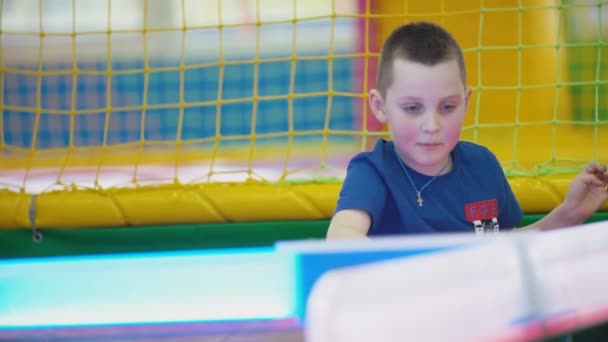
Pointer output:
x,y
430,144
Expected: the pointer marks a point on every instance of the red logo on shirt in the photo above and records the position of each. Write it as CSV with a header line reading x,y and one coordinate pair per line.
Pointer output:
x,y
483,210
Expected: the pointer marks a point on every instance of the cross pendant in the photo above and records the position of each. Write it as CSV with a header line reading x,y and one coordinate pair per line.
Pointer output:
x,y
419,199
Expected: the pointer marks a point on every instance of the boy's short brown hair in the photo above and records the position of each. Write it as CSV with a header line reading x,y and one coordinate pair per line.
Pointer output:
x,y
419,42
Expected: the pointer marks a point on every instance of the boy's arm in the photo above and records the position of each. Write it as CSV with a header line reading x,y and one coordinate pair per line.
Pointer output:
x,y
349,224
557,218
586,194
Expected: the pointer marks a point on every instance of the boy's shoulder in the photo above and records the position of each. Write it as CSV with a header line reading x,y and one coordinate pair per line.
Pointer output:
x,y
375,159
473,149
472,154
381,150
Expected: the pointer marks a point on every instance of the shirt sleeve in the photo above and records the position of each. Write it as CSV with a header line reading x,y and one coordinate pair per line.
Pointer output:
x,y
363,189
510,213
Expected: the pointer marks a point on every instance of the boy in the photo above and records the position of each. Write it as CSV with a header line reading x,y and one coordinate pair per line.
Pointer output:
x,y
425,180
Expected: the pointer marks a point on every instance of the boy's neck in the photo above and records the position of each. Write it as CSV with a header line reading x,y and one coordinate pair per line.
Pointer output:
x,y
442,169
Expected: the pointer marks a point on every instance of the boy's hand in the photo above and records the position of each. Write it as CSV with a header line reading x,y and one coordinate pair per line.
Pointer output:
x,y
587,192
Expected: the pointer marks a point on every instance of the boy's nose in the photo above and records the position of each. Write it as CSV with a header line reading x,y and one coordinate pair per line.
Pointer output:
x,y
432,123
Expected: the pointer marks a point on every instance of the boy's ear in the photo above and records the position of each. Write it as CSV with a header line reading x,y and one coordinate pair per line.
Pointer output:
x,y
467,97
376,103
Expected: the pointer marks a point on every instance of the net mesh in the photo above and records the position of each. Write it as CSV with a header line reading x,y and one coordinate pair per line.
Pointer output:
x,y
107,97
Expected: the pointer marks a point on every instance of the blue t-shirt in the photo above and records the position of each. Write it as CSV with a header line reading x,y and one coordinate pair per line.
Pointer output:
x,y
474,196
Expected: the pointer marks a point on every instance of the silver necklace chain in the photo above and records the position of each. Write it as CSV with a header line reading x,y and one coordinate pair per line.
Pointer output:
x,y
419,192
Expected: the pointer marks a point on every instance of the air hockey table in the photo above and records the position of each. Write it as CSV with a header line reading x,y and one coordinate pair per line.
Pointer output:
x,y
299,290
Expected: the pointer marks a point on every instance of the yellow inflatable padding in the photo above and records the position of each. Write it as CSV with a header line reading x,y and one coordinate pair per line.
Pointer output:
x,y
14,209
217,202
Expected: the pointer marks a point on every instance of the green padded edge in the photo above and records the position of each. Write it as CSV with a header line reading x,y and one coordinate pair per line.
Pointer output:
x,y
18,243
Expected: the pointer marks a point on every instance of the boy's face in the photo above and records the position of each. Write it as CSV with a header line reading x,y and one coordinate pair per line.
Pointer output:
x,y
424,108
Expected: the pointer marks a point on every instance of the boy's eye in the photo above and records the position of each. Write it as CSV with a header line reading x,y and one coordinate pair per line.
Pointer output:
x,y
412,108
448,108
